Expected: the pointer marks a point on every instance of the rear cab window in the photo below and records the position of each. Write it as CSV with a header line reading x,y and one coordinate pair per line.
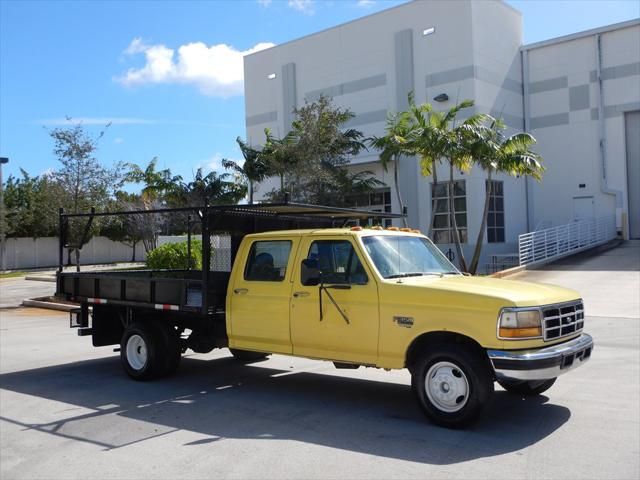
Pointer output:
x,y
267,261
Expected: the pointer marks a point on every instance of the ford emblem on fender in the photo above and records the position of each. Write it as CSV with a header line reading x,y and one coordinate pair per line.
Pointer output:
x,y
404,321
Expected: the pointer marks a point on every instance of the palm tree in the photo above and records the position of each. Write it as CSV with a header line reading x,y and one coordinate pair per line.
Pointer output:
x,y
158,184
493,152
253,170
280,156
214,189
429,143
397,142
456,141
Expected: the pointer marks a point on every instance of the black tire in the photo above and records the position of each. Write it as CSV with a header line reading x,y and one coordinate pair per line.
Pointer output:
x,y
141,352
527,388
461,387
172,349
245,356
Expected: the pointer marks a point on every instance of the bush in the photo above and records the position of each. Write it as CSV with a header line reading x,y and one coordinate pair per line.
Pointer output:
x,y
174,256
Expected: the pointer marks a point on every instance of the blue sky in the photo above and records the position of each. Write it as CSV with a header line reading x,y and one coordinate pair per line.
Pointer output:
x,y
103,61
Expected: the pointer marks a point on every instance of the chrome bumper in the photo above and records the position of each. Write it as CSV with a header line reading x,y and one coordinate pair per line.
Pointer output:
x,y
541,363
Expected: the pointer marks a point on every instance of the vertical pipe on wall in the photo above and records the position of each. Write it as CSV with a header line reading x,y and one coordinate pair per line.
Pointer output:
x,y
528,191
604,181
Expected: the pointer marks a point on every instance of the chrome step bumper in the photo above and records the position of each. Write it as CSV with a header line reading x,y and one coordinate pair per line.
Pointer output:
x,y
541,363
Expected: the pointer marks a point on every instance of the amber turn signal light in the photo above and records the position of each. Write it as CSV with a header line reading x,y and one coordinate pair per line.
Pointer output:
x,y
520,332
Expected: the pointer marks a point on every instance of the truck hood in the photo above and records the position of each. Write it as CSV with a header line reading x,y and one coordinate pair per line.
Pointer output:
x,y
516,293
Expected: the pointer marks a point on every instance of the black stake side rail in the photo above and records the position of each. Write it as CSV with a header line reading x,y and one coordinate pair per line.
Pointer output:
x,y
286,211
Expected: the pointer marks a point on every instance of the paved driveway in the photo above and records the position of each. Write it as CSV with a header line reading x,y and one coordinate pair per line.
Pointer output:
x,y
68,411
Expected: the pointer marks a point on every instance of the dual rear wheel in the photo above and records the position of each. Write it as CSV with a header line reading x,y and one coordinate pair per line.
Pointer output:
x,y
150,350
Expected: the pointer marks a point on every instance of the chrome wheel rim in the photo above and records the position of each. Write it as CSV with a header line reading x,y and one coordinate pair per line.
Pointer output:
x,y
137,352
447,387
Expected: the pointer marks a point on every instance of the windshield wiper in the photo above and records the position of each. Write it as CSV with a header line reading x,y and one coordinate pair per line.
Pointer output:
x,y
403,275
414,274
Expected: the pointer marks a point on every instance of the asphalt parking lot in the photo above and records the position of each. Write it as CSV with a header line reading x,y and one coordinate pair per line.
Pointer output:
x,y
68,411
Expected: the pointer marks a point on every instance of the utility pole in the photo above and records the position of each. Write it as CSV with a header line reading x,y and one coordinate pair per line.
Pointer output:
x,y
3,233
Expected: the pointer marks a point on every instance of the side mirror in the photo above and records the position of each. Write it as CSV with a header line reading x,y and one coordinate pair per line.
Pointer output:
x,y
310,272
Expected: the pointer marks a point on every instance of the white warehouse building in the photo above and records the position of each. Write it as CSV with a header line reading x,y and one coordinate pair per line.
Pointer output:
x,y
578,95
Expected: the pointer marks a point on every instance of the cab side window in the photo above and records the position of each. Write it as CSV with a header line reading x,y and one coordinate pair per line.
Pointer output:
x,y
267,261
338,262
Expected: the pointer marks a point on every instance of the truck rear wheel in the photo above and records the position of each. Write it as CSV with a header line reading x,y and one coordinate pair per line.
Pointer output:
x,y
245,356
140,352
452,384
527,388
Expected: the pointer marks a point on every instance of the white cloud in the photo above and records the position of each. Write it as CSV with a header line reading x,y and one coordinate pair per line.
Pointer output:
x,y
94,121
264,3
216,70
365,3
118,140
305,6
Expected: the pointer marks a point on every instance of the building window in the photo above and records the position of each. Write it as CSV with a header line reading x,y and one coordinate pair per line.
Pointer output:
x,y
495,221
442,228
377,201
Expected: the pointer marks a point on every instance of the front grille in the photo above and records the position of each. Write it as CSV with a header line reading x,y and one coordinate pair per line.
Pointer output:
x,y
562,319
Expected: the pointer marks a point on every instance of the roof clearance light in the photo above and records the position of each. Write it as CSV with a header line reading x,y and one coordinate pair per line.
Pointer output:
x,y
356,229
377,227
271,76
415,230
405,229
393,229
428,31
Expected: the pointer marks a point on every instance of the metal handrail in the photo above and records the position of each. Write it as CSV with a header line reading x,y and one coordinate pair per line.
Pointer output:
x,y
563,240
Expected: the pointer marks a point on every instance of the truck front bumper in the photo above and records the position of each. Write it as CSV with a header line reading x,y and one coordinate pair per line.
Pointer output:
x,y
541,363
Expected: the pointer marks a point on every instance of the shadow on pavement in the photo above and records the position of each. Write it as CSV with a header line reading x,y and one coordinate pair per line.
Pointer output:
x,y
222,399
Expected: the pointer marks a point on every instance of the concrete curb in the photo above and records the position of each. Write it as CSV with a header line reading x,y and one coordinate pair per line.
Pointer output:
x,y
49,305
509,271
39,278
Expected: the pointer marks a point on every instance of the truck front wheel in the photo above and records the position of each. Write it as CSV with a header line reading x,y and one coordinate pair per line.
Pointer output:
x,y
139,352
527,388
453,385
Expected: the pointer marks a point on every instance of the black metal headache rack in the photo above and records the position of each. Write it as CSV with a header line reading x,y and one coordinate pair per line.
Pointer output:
x,y
222,228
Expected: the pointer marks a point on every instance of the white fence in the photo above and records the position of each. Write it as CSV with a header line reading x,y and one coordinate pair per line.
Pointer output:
x,y
563,240
43,252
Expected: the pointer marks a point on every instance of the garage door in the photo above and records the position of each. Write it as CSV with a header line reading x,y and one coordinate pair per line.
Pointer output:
x,y
632,124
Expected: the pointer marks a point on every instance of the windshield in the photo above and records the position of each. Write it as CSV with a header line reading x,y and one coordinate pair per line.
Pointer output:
x,y
397,256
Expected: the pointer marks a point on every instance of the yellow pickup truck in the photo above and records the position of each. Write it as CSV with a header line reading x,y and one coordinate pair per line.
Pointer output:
x,y
385,298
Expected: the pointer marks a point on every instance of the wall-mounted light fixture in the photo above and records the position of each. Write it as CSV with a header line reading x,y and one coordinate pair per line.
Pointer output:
x,y
428,31
443,97
271,76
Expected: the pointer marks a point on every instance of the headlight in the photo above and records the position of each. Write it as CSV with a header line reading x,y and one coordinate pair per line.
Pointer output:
x,y
515,323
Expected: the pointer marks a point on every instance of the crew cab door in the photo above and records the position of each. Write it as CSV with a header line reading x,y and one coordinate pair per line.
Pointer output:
x,y
259,296
349,325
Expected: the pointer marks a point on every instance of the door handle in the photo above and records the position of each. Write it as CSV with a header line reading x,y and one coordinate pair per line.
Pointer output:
x,y
240,291
301,294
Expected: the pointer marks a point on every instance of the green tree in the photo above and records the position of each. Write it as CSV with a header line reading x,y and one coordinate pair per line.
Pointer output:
x,y
158,186
493,152
397,142
282,158
84,182
32,205
457,153
324,146
214,188
253,170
